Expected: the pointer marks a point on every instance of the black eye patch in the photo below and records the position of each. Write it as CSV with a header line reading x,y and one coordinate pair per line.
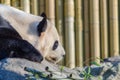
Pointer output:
x,y
55,45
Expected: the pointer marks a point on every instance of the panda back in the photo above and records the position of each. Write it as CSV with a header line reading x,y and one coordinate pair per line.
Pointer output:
x,y
5,32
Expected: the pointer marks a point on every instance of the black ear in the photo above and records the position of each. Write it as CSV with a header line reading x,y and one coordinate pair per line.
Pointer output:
x,y
43,15
42,26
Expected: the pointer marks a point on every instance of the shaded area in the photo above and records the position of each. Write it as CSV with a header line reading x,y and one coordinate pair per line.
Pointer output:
x,y
10,75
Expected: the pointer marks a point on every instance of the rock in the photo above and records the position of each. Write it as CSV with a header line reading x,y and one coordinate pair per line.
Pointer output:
x,y
112,59
13,69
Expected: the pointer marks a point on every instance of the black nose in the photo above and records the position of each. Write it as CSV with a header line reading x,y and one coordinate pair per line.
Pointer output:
x,y
63,55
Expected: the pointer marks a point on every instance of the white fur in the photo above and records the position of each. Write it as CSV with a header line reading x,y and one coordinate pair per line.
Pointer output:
x,y
26,25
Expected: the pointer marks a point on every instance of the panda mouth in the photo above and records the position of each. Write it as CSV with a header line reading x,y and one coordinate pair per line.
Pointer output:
x,y
52,59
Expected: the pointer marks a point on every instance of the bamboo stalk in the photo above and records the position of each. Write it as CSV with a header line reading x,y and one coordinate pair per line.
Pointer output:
x,y
7,2
59,19
16,3
94,30
104,29
79,33
34,7
2,1
25,5
42,6
69,32
13,3
50,10
86,33
113,22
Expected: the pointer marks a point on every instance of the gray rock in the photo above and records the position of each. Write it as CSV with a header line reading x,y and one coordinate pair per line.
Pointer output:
x,y
13,69
112,59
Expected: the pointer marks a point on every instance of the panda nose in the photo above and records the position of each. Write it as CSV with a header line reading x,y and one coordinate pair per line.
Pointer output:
x,y
63,55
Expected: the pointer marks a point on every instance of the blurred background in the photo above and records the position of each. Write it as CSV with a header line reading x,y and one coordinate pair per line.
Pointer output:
x,y
88,29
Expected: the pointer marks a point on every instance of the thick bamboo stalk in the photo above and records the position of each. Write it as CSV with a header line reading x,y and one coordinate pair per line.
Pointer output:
x,y
2,1
16,3
104,29
69,32
25,5
42,6
86,33
59,19
7,2
94,30
79,33
34,7
113,22
50,10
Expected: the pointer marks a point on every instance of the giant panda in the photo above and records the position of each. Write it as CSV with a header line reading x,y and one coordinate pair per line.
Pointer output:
x,y
12,44
37,30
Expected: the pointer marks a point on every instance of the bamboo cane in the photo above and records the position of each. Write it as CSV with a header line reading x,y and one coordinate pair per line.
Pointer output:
x,y
113,22
86,33
42,6
79,33
25,5
16,3
59,19
2,1
50,10
94,30
34,7
7,2
104,29
69,32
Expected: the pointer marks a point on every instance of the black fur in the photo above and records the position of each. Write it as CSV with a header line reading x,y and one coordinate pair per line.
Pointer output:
x,y
55,45
43,15
42,26
12,47
9,33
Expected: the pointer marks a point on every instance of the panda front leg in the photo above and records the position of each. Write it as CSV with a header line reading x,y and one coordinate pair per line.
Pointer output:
x,y
13,47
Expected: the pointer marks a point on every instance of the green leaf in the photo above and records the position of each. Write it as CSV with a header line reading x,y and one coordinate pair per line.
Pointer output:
x,y
95,63
89,70
37,76
61,68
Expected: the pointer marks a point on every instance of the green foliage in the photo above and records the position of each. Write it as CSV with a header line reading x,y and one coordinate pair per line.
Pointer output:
x,y
101,60
86,73
62,68
95,63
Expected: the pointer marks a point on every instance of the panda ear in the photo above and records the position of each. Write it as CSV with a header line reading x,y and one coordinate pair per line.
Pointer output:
x,y
42,26
43,15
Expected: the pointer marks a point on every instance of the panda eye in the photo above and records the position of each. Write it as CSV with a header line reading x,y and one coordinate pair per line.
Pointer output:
x,y
55,45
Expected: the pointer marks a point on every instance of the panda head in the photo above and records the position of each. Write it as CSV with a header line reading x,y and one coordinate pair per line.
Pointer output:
x,y
50,44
